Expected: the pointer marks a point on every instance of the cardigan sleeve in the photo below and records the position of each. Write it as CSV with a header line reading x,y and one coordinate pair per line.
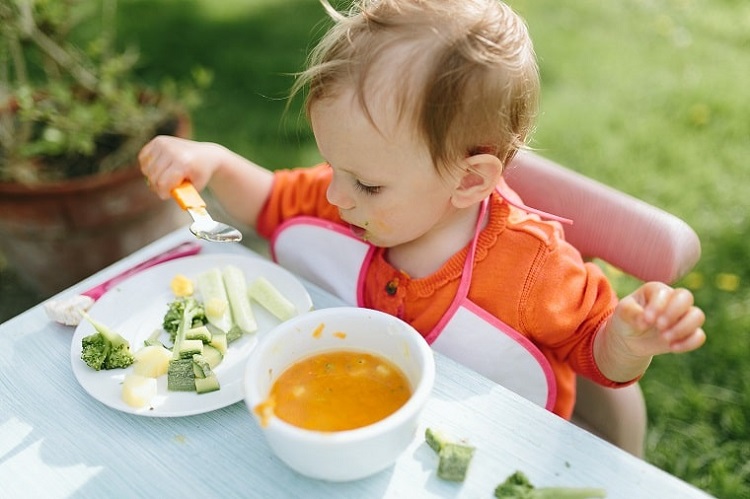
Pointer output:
x,y
566,303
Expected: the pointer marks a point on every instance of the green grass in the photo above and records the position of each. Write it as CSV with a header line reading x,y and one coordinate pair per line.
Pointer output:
x,y
648,96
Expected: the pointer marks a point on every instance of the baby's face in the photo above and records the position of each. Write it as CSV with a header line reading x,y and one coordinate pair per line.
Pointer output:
x,y
384,183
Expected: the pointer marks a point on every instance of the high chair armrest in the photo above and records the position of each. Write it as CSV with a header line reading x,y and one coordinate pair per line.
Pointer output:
x,y
634,236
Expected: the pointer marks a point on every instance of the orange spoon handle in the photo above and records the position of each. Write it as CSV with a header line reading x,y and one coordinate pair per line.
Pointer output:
x,y
187,196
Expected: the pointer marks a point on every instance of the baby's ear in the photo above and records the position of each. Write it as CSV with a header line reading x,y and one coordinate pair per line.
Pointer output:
x,y
479,178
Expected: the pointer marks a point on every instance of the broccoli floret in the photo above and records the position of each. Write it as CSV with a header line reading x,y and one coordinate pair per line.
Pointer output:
x,y
518,486
95,350
105,349
174,315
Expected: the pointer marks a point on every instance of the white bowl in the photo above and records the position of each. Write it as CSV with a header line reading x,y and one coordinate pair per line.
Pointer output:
x,y
350,454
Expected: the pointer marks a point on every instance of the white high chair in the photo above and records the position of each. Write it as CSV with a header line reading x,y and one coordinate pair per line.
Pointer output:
x,y
637,238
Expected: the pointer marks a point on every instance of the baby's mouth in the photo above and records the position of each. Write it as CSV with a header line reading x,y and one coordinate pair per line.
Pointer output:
x,y
357,231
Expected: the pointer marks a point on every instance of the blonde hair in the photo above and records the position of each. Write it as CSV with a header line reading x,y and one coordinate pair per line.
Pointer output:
x,y
470,82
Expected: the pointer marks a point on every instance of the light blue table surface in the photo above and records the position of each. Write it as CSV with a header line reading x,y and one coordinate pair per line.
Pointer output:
x,y
56,441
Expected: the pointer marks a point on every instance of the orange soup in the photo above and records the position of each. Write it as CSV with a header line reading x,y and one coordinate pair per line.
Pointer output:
x,y
339,390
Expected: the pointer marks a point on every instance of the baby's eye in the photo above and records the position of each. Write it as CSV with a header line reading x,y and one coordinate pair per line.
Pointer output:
x,y
367,189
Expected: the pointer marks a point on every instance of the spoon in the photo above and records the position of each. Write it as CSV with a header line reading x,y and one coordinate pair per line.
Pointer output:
x,y
203,225
67,311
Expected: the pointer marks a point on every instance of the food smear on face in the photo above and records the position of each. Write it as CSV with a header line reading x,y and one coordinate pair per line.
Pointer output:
x,y
339,390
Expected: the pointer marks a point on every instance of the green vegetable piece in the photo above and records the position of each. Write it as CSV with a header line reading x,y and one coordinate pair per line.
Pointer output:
x,y
95,349
435,439
270,298
518,486
180,375
154,340
454,458
173,317
188,348
105,349
205,379
219,341
207,384
454,461
234,334
201,368
239,302
198,333
212,355
192,309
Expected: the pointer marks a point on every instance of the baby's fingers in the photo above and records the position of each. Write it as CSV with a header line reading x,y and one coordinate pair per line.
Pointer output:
x,y
671,311
687,334
692,342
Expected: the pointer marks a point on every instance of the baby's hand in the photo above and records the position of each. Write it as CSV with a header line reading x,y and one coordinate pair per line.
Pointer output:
x,y
167,161
657,319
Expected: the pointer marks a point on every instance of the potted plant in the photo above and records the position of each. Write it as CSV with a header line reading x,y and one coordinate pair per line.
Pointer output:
x,y
73,116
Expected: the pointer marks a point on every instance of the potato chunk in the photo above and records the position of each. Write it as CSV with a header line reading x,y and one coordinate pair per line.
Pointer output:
x,y
137,390
151,361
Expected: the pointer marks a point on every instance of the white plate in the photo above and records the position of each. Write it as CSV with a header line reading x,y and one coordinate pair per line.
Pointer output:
x,y
136,307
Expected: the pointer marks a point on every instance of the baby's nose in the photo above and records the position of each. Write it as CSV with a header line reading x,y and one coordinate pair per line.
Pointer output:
x,y
338,197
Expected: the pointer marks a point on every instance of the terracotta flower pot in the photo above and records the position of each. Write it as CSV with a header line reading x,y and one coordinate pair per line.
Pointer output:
x,y
56,234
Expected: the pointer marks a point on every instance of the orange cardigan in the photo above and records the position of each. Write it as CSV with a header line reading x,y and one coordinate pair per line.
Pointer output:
x,y
524,273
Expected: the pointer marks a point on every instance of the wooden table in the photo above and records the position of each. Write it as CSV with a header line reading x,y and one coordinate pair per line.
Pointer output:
x,y
57,441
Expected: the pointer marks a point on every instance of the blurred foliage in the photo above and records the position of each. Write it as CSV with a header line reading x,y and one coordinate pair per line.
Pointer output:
x,y
71,104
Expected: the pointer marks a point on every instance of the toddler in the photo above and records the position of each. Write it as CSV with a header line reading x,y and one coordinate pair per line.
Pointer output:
x,y
417,108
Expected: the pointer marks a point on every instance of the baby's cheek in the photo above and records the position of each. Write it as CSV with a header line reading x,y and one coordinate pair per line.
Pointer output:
x,y
380,226
379,223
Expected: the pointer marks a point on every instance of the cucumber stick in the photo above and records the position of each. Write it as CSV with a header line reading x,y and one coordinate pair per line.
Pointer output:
x,y
215,299
236,287
270,298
